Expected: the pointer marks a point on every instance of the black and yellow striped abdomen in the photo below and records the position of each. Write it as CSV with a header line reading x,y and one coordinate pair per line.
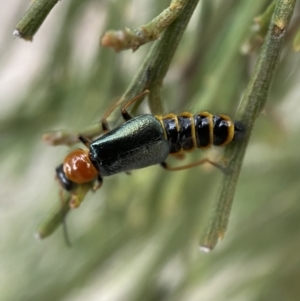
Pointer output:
x,y
186,131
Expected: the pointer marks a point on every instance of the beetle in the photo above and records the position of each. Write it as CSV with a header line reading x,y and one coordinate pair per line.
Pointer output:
x,y
143,141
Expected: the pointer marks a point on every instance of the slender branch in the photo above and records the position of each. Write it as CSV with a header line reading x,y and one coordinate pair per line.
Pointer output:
x,y
33,19
65,137
253,102
134,38
60,210
153,70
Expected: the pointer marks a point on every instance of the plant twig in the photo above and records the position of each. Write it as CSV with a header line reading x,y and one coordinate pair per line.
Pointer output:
x,y
33,19
134,38
65,137
153,70
60,210
253,102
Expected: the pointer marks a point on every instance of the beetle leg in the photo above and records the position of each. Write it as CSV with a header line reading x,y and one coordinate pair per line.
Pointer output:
x,y
124,111
126,116
99,184
104,122
84,140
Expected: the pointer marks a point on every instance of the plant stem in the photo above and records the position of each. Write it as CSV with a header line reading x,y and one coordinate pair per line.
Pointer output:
x,y
252,103
33,19
153,70
134,38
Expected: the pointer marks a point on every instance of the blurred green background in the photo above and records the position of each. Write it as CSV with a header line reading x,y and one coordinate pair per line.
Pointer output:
x,y
137,237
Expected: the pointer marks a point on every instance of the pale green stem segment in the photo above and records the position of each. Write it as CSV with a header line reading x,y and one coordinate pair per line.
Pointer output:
x,y
33,19
155,66
252,103
134,38
65,137
60,210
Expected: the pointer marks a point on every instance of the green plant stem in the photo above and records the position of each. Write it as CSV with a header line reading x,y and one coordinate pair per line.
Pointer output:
x,y
58,213
154,68
150,76
33,19
134,38
252,103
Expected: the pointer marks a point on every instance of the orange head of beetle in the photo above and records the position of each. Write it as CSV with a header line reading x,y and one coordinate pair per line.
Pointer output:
x,y
78,167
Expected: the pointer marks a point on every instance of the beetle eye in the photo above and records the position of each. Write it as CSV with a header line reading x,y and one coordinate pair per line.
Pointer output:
x,y
62,178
